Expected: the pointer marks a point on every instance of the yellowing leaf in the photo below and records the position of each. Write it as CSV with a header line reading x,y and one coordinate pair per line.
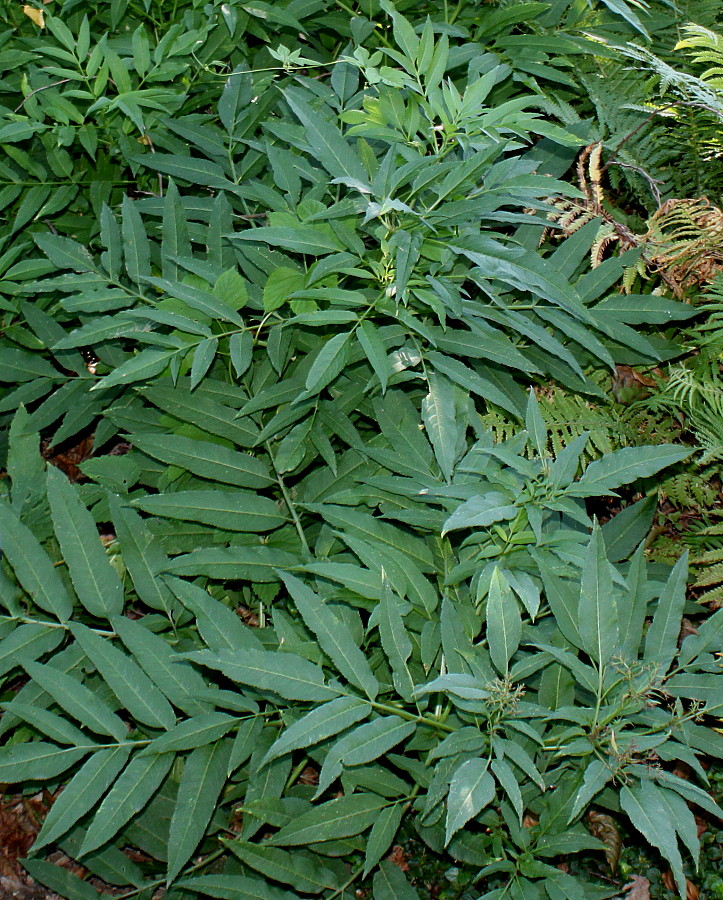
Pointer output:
x,y
36,15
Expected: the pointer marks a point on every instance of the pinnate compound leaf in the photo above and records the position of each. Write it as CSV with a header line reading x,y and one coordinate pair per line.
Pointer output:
x,y
507,781
329,362
480,512
204,775
241,349
135,786
596,776
323,722
535,425
303,871
391,883
334,636
126,679
218,625
18,366
201,410
375,351
194,170
690,792
55,727
327,142
633,611
77,700
95,581
471,789
525,271
202,358
344,817
82,793
252,563
32,565
136,246
201,300
65,253
624,532
301,238
363,745
175,241
142,556
637,309
683,819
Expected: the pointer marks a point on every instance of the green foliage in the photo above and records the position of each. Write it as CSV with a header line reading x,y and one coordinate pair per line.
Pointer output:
x,y
349,584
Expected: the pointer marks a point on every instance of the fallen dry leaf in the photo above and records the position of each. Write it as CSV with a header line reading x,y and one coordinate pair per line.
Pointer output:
x,y
399,858
691,891
604,828
638,889
36,15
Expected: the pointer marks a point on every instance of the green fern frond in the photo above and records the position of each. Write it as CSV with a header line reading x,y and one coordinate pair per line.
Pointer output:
x,y
688,489
714,597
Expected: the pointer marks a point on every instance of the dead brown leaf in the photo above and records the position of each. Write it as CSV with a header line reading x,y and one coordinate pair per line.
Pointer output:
x,y
638,889
399,858
691,891
604,828
36,15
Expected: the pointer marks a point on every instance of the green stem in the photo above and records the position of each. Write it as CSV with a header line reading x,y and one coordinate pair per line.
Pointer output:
x,y
161,881
26,620
289,503
340,891
295,774
412,717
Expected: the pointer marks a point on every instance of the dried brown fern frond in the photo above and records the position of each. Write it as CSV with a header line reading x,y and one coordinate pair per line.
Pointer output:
x,y
684,243
569,215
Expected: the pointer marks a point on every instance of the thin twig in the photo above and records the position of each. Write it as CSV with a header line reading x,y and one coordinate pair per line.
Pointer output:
x,y
38,90
653,182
